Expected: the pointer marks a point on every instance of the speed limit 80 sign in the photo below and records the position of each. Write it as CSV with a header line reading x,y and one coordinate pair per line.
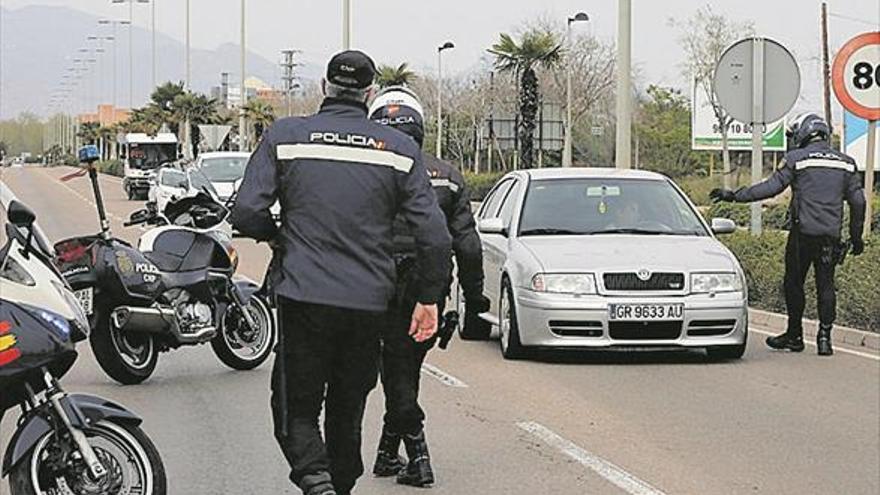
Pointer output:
x,y
856,75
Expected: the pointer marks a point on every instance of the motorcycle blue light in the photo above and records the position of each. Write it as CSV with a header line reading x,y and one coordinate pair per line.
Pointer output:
x,y
56,321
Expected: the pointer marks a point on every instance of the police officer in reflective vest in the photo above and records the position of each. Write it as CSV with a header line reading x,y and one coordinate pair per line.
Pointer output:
x,y
821,179
341,181
402,358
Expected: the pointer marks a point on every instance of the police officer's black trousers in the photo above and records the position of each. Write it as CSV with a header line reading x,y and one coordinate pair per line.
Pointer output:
x,y
402,359
801,252
331,357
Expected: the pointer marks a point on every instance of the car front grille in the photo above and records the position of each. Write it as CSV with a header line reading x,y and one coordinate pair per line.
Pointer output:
x,y
628,281
648,330
708,328
571,328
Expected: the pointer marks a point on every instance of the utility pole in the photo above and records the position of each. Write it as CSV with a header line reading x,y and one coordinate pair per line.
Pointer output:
x,y
826,68
623,157
289,77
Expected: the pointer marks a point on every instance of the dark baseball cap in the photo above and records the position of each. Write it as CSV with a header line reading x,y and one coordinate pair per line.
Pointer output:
x,y
351,69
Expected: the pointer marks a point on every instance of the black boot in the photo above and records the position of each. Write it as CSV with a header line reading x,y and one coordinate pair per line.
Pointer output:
x,y
318,484
823,340
794,342
388,460
418,471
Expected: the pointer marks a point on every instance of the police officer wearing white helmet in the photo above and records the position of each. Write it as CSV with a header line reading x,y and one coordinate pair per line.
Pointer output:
x,y
402,358
821,180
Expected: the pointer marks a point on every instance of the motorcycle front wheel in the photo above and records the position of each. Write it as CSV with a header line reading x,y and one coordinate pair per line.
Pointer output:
x,y
132,462
240,347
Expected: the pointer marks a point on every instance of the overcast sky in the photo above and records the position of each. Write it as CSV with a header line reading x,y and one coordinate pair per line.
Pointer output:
x,y
393,31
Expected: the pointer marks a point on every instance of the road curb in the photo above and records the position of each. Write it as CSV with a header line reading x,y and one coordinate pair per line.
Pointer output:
x,y
840,335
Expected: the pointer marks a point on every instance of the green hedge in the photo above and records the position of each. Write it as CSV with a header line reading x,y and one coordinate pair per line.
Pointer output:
x,y
775,215
111,167
857,280
480,184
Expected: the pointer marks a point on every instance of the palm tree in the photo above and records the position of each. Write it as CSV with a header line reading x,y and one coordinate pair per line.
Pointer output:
x,y
535,48
88,132
190,110
394,76
148,119
259,113
164,95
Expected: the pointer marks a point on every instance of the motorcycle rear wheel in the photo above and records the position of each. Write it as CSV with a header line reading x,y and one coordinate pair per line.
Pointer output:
x,y
132,461
127,358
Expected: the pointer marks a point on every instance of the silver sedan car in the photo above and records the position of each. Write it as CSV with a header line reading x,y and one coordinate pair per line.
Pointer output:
x,y
594,258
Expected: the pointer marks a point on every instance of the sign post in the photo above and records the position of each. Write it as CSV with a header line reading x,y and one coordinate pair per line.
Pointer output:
x,y
757,81
856,79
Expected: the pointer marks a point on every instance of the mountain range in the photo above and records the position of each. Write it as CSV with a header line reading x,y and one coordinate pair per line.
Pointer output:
x,y
39,43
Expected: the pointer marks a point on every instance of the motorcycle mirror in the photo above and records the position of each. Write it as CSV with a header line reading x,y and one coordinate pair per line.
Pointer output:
x,y
20,215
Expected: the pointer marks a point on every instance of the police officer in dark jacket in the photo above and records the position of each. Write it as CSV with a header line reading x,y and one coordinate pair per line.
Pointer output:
x,y
821,179
341,180
402,358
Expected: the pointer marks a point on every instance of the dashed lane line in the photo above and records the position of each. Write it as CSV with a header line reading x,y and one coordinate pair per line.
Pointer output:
x,y
837,348
442,376
610,472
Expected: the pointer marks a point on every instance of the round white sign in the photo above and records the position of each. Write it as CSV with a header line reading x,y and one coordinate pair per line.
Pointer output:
x,y
856,75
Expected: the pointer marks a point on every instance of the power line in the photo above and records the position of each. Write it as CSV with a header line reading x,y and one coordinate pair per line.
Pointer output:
x,y
853,19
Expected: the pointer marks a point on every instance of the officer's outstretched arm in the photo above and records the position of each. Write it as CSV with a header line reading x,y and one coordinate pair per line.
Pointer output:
x,y
770,187
466,244
855,197
258,192
419,208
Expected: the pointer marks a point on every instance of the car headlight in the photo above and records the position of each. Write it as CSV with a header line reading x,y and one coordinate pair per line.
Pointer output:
x,y
705,283
564,283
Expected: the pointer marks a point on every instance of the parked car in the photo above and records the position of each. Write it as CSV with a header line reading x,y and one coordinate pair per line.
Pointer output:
x,y
174,183
600,258
223,169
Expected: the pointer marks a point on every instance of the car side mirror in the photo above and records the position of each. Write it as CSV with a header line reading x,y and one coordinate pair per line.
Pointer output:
x,y
20,215
492,226
723,226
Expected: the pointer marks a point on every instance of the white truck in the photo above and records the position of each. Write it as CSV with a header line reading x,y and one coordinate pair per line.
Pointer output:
x,y
141,155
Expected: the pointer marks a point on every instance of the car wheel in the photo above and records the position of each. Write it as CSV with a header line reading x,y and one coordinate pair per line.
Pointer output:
x,y
511,346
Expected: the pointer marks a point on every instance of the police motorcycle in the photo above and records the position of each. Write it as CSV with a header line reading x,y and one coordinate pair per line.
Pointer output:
x,y
71,444
177,288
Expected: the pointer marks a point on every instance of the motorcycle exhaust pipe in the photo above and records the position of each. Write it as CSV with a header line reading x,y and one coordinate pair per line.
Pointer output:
x,y
145,320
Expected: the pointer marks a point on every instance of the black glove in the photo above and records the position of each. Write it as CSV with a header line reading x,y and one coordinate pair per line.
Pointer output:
x,y
722,195
858,247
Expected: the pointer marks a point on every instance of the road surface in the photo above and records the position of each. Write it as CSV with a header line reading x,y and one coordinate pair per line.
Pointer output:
x,y
638,423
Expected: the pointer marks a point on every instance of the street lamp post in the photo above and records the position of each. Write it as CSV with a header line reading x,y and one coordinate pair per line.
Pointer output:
x,y
566,152
346,24
624,85
445,46
131,47
188,73
242,122
115,56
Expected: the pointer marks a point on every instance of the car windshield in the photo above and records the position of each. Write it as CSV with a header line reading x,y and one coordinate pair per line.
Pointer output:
x,y
173,178
224,169
607,206
150,155
199,182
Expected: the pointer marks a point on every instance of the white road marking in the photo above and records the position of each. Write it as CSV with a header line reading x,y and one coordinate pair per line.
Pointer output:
x,y
837,348
610,472
442,376
110,215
